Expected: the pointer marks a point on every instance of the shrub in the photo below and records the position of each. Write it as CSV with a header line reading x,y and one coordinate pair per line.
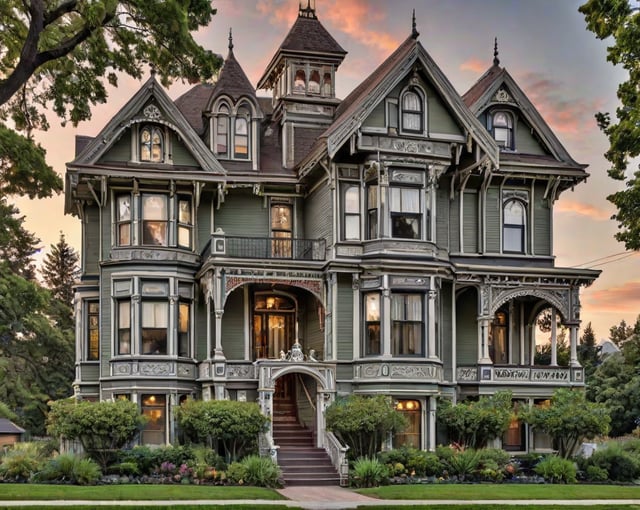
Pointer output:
x,y
423,463
149,460
86,472
60,468
492,463
556,470
125,469
464,463
261,471
596,474
236,473
368,472
21,462
621,465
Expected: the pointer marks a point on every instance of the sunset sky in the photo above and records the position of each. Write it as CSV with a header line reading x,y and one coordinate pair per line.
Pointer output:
x,y
543,44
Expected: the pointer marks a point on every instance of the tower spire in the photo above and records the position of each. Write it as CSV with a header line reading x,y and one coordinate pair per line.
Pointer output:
x,y
414,30
496,60
308,11
230,40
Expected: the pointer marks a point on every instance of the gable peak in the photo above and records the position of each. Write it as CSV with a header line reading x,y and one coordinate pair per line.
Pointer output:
x,y
496,60
414,30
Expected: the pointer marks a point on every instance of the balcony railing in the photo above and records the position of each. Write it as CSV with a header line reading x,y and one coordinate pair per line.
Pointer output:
x,y
520,374
267,247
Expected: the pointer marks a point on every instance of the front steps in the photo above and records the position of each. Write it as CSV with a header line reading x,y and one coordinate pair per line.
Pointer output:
x,y
300,461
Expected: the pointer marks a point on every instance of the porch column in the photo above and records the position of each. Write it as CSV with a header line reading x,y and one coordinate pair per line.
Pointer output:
x,y
573,332
385,317
431,424
554,339
483,339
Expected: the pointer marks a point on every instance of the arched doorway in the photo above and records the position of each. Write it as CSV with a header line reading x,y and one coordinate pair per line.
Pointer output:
x,y
274,324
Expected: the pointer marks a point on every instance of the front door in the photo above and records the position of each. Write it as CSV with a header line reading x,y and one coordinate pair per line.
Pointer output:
x,y
273,325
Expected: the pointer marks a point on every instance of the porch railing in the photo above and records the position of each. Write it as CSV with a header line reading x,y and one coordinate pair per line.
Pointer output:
x,y
266,247
516,373
338,455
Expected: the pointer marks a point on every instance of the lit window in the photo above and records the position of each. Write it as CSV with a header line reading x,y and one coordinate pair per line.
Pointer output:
x,y
123,223
124,327
241,135
410,436
155,320
514,220
502,127
498,339
372,339
314,82
273,325
154,219
406,324
93,330
152,144
281,230
326,85
184,319
405,213
412,112
154,409
300,81
185,223
351,212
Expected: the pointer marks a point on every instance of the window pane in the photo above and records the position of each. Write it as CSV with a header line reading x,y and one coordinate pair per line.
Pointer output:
x,y
124,327
154,409
145,144
352,199
372,307
183,329
405,226
411,101
514,213
281,217
184,237
514,239
154,207
326,88
405,200
299,83
184,211
93,331
157,146
352,227
124,208
155,315
314,82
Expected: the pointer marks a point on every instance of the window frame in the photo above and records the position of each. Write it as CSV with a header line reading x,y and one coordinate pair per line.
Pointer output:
x,y
124,218
396,214
152,130
348,214
281,236
149,408
514,227
124,330
507,128
183,333
372,320
416,325
186,225
148,236
499,334
373,211
406,113
92,352
222,120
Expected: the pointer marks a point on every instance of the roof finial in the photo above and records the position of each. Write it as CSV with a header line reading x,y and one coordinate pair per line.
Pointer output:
x,y
308,11
414,30
230,40
496,60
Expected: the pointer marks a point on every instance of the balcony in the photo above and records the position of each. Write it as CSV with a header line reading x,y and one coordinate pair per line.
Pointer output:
x,y
276,248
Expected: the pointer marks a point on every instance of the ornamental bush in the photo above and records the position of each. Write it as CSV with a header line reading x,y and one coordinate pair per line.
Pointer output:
x,y
368,472
555,469
261,472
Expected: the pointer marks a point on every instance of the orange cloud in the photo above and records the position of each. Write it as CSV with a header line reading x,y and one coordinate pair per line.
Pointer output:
x,y
572,117
582,209
621,300
474,65
278,12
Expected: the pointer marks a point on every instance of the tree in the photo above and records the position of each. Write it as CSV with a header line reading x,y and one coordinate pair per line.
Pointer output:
x,y
364,423
473,424
59,270
58,55
101,427
569,419
17,245
236,425
36,357
618,20
620,333
588,352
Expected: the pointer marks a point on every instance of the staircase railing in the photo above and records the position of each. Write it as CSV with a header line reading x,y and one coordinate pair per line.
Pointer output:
x,y
338,455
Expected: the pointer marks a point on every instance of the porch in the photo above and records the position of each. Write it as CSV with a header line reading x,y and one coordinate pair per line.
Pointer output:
x,y
514,374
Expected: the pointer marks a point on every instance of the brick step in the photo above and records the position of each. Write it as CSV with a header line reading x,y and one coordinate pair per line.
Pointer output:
x,y
312,481
320,462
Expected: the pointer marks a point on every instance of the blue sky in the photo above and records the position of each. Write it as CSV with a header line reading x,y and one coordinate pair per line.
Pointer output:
x,y
543,44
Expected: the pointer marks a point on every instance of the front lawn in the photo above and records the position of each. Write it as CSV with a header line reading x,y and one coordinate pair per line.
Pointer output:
x,y
502,491
31,491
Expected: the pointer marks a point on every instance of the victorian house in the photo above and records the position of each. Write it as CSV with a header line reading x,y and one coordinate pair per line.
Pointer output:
x,y
292,249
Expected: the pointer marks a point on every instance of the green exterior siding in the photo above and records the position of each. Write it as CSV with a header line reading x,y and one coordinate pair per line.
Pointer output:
x,y
120,150
467,328
344,314
454,224
181,154
91,241
318,216
233,326
470,222
445,328
542,223
525,141
442,215
493,225
200,328
243,214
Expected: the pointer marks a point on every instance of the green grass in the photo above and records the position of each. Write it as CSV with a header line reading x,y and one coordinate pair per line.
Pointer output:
x,y
502,491
467,506
42,492
157,507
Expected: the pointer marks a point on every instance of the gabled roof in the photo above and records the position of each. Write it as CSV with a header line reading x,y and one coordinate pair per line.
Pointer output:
x,y
483,94
8,427
357,106
130,113
307,37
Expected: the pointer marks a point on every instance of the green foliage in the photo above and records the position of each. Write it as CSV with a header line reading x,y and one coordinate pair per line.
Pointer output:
x,y
363,423
149,459
21,462
72,469
588,351
555,469
569,419
620,21
36,357
474,423
492,464
7,413
59,271
17,245
463,463
236,425
596,474
101,427
620,465
368,472
261,472
413,461
236,473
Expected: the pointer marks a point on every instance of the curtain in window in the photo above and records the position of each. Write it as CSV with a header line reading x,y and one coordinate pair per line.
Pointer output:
x,y
411,112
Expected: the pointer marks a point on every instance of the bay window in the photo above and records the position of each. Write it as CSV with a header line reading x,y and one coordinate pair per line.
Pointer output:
x,y
124,327
372,211
373,338
155,321
154,219
351,216
123,220
405,213
184,321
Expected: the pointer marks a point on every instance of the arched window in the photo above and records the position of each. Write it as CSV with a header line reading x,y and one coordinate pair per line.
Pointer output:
x,y
314,82
222,131
412,112
351,212
241,135
300,81
514,221
502,129
326,84
152,144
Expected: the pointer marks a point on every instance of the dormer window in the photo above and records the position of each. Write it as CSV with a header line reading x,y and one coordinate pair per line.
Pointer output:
x,y
152,144
412,114
326,85
300,81
222,131
502,129
241,135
